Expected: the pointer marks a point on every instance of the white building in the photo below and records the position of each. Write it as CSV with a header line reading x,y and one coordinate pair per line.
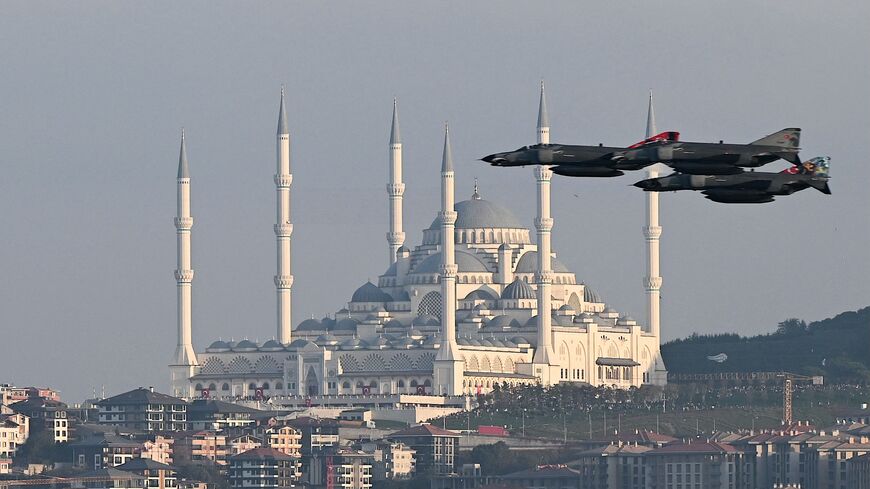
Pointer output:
x,y
476,303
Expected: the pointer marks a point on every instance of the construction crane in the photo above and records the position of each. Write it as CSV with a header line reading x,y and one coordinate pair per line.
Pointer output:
x,y
788,380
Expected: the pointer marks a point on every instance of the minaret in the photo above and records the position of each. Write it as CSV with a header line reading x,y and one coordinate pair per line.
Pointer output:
x,y
185,359
652,232
449,367
395,188
544,224
283,227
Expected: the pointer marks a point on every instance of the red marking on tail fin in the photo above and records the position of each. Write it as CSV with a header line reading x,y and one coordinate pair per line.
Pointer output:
x,y
664,136
791,171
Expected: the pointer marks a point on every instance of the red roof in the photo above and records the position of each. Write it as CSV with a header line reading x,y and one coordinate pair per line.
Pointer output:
x,y
424,430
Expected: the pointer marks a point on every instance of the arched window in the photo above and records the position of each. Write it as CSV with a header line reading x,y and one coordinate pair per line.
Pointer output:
x,y
212,387
401,384
359,384
265,386
428,383
414,383
345,385
252,386
278,386
373,384
198,387
225,387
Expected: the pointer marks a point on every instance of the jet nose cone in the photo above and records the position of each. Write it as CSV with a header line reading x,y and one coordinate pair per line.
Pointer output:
x,y
494,159
648,184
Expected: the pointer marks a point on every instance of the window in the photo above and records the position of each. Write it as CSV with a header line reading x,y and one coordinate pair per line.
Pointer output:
x,y
225,387
265,386
252,386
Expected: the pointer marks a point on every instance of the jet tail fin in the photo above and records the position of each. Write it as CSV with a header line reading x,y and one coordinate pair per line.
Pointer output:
x,y
786,138
820,166
670,136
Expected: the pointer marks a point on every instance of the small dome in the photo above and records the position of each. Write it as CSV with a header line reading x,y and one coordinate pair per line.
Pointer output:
x,y
432,341
584,317
589,295
518,290
405,343
327,339
480,295
425,320
394,323
402,296
472,341
466,262
379,344
300,343
529,264
245,345
502,322
477,308
509,344
519,340
626,321
402,249
353,344
346,324
566,308
533,321
497,342
562,321
218,346
416,334
486,342
310,325
272,345
463,341
370,292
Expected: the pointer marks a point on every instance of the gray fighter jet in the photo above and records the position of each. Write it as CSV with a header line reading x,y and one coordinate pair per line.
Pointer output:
x,y
748,187
579,161
719,158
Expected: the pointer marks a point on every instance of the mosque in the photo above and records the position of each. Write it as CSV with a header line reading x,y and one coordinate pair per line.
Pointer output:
x,y
477,303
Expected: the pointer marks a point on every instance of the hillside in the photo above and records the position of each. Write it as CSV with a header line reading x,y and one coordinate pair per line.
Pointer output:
x,y
838,348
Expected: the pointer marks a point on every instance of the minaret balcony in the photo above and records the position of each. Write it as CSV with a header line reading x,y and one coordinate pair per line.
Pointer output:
x,y
652,232
543,174
283,230
284,281
448,218
652,283
544,224
449,271
395,189
183,222
396,238
184,276
284,181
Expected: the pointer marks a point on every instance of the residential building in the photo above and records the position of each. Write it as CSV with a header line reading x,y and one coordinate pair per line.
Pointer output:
x,y
288,439
201,447
317,433
390,460
104,451
263,468
435,448
244,443
212,414
350,469
144,411
158,448
156,474
545,477
613,466
110,478
46,415
696,464
14,431
859,472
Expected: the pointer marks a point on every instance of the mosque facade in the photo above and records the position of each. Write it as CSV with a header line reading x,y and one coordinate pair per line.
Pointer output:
x,y
475,304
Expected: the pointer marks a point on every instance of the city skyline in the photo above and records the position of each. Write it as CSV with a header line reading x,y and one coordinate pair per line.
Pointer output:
x,y
89,263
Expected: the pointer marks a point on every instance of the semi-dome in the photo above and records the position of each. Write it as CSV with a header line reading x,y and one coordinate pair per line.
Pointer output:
x,y
405,342
566,308
402,296
589,295
518,290
380,343
245,345
562,321
480,295
467,263
477,213
218,346
394,323
370,292
300,343
529,264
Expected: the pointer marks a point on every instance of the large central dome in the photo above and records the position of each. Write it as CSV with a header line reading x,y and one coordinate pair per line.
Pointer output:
x,y
477,213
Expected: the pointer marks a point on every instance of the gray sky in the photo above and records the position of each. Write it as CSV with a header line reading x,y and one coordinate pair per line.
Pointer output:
x,y
94,95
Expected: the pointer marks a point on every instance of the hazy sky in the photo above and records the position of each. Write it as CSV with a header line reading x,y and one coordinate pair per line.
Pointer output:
x,y
94,95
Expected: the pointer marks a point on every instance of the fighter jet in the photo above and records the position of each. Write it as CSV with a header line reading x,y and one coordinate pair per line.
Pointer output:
x,y
721,158
579,161
748,187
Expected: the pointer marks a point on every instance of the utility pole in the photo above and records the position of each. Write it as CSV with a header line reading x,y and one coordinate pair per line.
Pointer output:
x,y
590,425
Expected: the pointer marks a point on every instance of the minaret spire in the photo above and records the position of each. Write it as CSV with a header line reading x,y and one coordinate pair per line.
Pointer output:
x,y
448,365
543,119
544,276
283,226
395,189
185,358
652,232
